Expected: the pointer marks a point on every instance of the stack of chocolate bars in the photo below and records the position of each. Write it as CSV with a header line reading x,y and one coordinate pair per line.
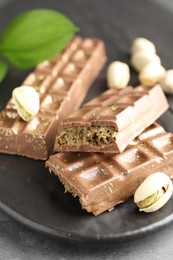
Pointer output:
x,y
110,145
102,151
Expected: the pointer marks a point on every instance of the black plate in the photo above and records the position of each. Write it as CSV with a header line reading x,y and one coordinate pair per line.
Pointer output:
x,y
33,196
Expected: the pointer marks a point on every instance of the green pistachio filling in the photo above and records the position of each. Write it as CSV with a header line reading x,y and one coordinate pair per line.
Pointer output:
x,y
81,135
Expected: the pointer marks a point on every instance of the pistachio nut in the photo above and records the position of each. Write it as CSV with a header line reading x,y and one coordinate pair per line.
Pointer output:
x,y
27,102
167,82
153,192
141,58
143,44
118,75
151,74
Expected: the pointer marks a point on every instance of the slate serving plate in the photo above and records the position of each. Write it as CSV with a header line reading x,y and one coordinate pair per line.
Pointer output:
x,y
33,196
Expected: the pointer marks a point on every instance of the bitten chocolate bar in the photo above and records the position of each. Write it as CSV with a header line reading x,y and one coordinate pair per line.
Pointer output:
x,y
103,181
111,121
62,84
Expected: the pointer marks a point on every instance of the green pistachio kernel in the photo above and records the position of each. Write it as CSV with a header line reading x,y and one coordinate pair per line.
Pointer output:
x,y
24,114
148,201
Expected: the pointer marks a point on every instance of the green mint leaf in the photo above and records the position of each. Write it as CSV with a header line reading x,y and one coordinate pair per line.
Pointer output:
x,y
35,36
3,70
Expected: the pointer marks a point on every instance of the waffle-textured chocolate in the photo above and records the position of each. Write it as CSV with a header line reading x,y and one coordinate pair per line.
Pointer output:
x,y
109,122
62,84
102,181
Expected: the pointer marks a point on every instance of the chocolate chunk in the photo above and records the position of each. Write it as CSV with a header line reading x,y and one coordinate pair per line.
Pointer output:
x,y
111,121
62,84
103,181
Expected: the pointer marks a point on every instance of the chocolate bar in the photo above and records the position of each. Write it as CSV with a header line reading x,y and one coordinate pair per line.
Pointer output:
x,y
103,181
62,84
109,122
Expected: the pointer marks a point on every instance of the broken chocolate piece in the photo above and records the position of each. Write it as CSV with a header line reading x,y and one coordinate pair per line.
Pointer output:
x,y
111,121
62,84
103,181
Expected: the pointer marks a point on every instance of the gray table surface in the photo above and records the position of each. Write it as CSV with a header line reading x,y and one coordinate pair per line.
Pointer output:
x,y
16,242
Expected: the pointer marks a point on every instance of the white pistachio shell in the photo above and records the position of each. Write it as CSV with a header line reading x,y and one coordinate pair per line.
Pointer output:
x,y
143,44
118,75
151,185
151,74
27,102
167,82
141,58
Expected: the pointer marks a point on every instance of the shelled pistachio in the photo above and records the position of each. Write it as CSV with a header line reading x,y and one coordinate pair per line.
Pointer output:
x,y
142,44
141,58
118,75
27,102
153,192
167,82
151,74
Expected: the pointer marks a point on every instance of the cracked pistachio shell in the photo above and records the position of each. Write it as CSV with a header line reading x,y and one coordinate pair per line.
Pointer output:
x,y
151,74
167,82
141,58
27,102
142,44
118,75
150,186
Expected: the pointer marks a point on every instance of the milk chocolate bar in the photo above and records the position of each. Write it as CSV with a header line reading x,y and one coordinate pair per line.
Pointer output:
x,y
109,122
62,84
103,181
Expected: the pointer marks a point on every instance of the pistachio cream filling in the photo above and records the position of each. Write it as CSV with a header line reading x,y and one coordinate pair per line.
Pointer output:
x,y
81,135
